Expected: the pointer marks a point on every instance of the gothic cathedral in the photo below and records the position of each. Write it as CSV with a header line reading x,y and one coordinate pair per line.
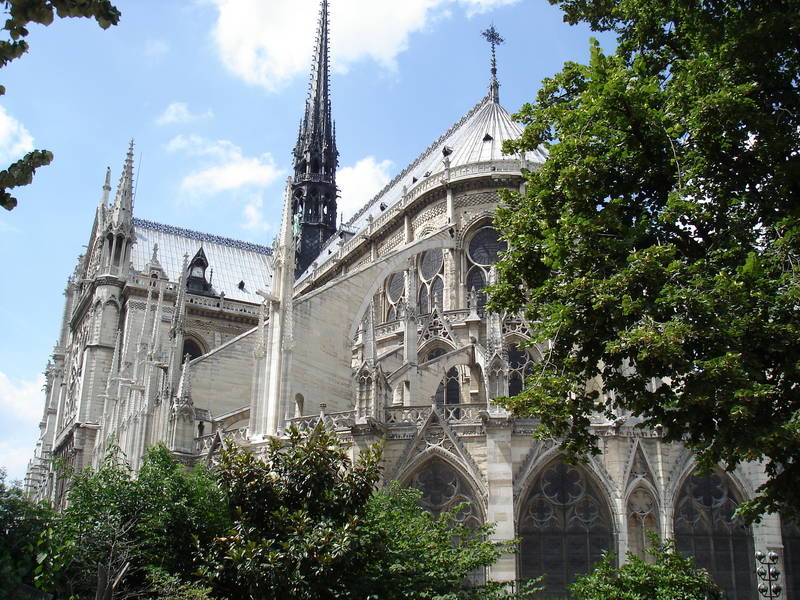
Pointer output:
x,y
376,327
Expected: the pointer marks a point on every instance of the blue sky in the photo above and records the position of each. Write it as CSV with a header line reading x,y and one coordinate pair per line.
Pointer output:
x,y
212,91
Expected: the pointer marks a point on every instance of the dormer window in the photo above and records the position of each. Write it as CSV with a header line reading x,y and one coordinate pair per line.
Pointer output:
x,y
196,280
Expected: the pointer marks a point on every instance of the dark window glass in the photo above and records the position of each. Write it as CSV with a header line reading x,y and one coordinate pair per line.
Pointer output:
x,y
436,353
437,292
396,286
790,531
431,263
192,348
485,246
442,489
424,309
517,357
706,529
565,527
514,384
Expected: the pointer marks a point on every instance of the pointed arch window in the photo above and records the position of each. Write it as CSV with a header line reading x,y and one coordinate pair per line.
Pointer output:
x,y
394,292
520,365
642,514
431,280
443,488
705,527
790,532
449,389
565,526
483,249
364,393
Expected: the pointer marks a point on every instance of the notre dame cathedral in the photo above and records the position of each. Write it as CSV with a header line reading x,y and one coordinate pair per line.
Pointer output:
x,y
377,328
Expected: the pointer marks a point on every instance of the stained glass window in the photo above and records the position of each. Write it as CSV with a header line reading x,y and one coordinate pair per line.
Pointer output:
x,y
430,264
485,246
431,280
395,289
705,527
565,526
520,365
790,530
442,489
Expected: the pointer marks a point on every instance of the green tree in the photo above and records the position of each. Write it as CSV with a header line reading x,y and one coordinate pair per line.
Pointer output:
x,y
419,556
297,519
122,536
307,524
658,248
669,577
20,13
21,523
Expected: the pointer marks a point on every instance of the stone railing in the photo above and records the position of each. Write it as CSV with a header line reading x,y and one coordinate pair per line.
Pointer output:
x,y
388,328
251,310
416,415
335,420
203,443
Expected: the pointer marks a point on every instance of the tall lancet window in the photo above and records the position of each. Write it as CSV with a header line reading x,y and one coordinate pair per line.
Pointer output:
x,y
520,365
706,528
395,289
565,526
482,251
431,284
449,388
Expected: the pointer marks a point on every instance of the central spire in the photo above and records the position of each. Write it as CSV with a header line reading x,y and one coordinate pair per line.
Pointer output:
x,y
315,158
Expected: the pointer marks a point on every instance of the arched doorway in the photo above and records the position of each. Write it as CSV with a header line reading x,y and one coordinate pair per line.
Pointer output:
x,y
565,526
705,528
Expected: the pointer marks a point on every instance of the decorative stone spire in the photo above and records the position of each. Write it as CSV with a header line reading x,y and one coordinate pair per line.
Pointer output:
x,y
494,40
122,210
184,393
315,159
106,190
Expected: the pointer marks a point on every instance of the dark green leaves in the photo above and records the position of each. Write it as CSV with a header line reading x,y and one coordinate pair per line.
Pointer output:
x,y
658,247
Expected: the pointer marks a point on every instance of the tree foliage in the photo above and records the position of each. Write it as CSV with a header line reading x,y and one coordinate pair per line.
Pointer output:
x,y
658,248
21,523
20,14
296,519
308,524
121,534
420,556
669,576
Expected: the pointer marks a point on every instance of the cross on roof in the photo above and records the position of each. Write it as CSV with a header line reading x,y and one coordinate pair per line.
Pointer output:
x,y
495,39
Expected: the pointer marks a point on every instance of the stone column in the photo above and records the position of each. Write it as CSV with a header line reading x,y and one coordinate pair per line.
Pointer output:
x,y
500,505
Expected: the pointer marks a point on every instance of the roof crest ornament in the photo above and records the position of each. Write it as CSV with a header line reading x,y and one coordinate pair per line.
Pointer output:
x,y
495,39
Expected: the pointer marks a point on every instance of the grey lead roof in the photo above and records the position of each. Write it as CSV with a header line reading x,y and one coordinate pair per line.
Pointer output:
x,y
232,260
477,137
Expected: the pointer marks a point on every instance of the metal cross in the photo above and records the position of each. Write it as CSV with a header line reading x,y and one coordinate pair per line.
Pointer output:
x,y
495,40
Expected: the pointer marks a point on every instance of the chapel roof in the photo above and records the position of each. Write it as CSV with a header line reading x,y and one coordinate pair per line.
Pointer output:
x,y
233,261
476,138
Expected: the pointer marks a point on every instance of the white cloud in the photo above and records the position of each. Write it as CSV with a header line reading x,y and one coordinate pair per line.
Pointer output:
x,y
269,42
155,48
360,183
254,216
178,112
15,140
22,405
224,166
